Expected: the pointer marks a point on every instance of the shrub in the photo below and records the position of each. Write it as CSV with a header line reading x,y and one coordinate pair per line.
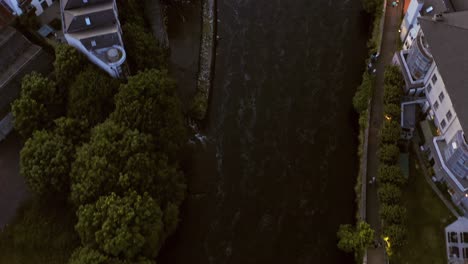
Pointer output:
x,y
389,194
391,174
389,153
390,132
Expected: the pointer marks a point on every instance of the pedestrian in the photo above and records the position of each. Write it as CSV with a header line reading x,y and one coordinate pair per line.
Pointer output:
x,y
373,179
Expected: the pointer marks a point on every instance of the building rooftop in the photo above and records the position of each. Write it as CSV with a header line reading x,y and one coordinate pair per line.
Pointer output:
x,y
18,57
460,5
448,40
71,4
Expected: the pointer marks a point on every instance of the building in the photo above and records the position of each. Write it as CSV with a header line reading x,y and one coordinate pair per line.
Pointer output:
x,y
456,241
18,57
93,27
435,66
18,7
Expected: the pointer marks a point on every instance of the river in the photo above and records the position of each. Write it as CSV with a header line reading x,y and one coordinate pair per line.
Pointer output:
x,y
275,175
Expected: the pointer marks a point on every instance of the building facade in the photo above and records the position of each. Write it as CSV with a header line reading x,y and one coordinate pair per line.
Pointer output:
x,y
456,241
434,62
93,27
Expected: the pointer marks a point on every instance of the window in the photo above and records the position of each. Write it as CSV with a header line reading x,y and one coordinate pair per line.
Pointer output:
x,y
434,78
449,117
465,237
88,21
441,96
436,105
429,88
93,43
452,237
465,253
443,124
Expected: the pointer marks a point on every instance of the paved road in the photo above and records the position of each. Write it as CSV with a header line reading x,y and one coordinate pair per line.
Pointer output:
x,y
388,48
12,186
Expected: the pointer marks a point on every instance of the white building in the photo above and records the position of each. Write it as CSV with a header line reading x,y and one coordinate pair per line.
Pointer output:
x,y
435,68
456,241
93,27
18,7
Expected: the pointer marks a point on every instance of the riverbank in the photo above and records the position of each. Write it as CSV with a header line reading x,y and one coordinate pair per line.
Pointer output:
x,y
199,104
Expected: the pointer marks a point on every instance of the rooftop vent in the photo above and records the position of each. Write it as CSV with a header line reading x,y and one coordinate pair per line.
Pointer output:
x,y
438,17
113,55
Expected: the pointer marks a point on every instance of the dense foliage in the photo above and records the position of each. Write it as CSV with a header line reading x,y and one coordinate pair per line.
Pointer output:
x,y
37,105
68,63
355,239
45,162
148,102
391,174
126,226
389,153
90,97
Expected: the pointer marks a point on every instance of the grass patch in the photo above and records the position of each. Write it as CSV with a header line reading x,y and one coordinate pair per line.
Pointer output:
x,y
42,232
427,218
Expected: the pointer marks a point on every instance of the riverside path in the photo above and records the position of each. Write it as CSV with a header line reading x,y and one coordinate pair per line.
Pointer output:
x,y
388,48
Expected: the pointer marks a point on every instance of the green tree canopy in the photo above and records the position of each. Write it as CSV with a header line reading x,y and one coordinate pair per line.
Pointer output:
x,y
396,235
355,239
390,132
393,76
393,111
392,94
122,226
391,174
87,255
118,159
392,214
363,93
389,153
37,105
90,96
74,130
389,194
68,62
144,52
45,162
149,103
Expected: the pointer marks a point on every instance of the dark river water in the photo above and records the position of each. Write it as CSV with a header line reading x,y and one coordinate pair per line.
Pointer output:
x,y
276,175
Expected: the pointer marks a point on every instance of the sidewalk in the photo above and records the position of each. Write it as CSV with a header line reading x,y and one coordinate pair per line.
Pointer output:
x,y
392,22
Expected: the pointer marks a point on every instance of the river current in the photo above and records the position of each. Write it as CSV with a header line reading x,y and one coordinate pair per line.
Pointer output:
x,y
273,175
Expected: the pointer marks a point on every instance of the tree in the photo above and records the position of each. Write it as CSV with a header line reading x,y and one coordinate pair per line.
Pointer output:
x,y
91,96
118,159
144,52
389,194
390,132
74,130
148,102
87,255
45,162
122,226
392,94
393,76
389,153
392,111
355,239
37,105
372,6
395,235
391,174
363,93
392,214
68,62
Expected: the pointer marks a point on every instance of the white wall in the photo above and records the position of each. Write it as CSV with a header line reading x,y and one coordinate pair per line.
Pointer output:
x,y
410,18
77,44
38,6
13,4
445,105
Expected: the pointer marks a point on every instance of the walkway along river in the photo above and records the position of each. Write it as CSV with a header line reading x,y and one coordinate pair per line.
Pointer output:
x,y
276,174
